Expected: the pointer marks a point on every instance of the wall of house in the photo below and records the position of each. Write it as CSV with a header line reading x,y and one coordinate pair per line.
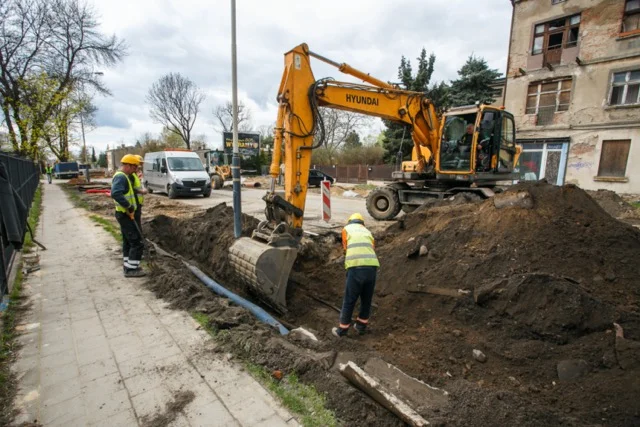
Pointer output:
x,y
590,120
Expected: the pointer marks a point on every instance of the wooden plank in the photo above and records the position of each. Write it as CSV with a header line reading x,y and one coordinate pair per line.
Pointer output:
x,y
433,290
371,386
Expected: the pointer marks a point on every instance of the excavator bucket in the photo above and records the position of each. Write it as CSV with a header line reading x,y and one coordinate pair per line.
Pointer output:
x,y
265,268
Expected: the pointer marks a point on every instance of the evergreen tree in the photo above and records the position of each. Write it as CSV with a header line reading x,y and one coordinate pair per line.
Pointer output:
x,y
94,160
473,82
352,140
438,92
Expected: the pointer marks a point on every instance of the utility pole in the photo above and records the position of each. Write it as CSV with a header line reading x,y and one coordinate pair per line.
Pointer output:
x,y
84,142
235,160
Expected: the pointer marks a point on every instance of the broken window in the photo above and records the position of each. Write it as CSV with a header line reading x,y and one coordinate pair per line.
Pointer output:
x,y
625,88
547,98
551,37
613,158
631,19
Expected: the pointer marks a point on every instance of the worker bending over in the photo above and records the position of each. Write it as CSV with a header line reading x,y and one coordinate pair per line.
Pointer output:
x,y
124,197
361,264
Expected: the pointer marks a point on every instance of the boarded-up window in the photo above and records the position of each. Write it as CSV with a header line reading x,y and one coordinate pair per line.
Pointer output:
x,y
613,159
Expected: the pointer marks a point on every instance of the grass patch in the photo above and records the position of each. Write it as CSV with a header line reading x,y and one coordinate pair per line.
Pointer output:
x,y
365,187
34,217
8,348
109,226
301,399
636,205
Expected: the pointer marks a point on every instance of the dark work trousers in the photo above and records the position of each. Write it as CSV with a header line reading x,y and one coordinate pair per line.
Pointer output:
x,y
132,246
361,282
49,178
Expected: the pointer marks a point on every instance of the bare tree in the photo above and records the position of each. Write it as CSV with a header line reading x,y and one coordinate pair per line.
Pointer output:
x,y
338,124
224,115
59,39
175,101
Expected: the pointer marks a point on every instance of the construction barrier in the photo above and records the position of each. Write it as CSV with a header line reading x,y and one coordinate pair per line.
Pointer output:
x,y
325,186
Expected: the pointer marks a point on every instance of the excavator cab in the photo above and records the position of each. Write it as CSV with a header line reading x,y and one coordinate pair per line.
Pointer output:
x,y
477,140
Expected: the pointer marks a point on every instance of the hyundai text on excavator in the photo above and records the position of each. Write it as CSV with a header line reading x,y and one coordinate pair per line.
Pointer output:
x,y
440,165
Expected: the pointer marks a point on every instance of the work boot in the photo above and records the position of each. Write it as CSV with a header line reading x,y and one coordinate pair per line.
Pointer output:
x,y
137,272
339,332
360,327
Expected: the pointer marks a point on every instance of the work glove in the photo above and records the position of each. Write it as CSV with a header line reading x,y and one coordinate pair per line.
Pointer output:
x,y
131,209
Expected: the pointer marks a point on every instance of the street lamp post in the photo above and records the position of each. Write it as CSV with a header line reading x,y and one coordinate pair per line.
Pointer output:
x,y
235,160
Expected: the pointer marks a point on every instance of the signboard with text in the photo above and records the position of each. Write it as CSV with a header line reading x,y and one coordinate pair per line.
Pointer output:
x,y
248,143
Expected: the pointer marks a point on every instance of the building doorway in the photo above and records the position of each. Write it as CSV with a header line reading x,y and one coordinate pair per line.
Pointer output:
x,y
543,159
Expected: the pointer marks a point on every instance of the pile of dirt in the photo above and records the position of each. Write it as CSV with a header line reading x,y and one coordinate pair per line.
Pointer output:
x,y
616,206
551,281
204,238
539,288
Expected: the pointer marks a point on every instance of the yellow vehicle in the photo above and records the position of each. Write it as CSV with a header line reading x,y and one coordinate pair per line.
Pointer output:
x,y
440,163
218,168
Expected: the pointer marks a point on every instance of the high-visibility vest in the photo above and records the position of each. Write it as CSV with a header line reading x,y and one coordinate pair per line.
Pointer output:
x,y
360,250
129,195
137,185
48,170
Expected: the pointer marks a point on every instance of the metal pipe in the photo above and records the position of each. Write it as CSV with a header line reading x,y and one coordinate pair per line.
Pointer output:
x,y
235,160
348,69
257,311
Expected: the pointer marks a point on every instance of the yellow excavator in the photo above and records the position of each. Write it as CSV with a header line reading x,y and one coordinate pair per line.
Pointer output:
x,y
468,149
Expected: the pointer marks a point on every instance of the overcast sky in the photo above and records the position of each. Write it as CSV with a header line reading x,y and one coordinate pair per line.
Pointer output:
x,y
193,37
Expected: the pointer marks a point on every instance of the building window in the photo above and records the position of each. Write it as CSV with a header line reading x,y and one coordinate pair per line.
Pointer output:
x,y
613,159
547,98
625,88
631,19
551,37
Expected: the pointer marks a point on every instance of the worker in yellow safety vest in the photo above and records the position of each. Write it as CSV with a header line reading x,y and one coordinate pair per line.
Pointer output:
x,y
362,265
124,197
49,171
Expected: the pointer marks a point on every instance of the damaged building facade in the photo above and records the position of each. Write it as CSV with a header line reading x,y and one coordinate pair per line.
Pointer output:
x,y
573,84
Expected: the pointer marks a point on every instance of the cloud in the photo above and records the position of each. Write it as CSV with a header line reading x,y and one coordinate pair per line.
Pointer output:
x,y
107,117
192,37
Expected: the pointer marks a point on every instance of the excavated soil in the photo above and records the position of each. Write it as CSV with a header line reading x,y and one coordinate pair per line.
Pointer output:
x,y
530,288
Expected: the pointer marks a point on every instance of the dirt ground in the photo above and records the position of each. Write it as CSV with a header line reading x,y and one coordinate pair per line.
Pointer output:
x,y
534,289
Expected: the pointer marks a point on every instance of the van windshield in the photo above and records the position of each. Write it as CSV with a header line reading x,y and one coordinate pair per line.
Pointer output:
x,y
185,164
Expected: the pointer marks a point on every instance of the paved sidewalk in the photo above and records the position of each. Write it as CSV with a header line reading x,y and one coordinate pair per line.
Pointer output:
x,y
100,350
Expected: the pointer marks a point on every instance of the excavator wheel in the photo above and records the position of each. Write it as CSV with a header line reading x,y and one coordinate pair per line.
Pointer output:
x,y
383,203
216,182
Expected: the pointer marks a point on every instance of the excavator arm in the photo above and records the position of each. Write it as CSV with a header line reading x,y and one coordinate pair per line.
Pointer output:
x,y
265,260
299,97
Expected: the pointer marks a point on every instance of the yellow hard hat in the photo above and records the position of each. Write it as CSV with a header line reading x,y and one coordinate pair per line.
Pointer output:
x,y
130,159
356,217
140,158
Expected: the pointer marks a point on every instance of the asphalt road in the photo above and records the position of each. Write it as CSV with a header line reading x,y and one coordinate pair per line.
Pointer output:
x,y
252,204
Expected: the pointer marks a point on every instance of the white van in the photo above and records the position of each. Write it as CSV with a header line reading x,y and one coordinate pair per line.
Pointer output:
x,y
175,172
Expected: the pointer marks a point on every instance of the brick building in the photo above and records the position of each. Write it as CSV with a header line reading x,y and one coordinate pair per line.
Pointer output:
x,y
573,84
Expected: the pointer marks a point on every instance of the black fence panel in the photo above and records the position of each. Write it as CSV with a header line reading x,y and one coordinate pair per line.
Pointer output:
x,y
24,176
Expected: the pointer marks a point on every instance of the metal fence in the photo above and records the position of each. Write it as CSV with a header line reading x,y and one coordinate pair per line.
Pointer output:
x,y
23,175
358,174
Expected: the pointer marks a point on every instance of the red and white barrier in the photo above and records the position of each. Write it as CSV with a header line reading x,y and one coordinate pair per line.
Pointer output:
x,y
325,187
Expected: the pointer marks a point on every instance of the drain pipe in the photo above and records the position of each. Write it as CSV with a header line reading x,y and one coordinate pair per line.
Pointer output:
x,y
257,311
